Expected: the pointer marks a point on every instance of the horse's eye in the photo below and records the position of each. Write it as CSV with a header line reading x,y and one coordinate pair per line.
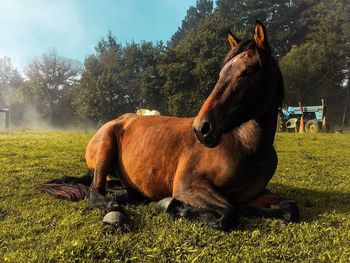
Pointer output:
x,y
247,73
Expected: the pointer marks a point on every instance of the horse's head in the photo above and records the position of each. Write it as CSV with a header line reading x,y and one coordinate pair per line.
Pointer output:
x,y
249,85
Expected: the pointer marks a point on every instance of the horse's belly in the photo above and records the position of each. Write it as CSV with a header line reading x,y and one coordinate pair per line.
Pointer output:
x,y
149,155
149,180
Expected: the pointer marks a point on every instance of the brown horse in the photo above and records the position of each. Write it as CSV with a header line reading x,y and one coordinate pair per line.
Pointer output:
x,y
216,166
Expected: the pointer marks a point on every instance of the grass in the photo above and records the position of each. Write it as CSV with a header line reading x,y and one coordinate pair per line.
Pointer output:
x,y
313,169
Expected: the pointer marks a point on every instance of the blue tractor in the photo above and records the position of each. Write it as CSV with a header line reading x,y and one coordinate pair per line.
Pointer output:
x,y
313,118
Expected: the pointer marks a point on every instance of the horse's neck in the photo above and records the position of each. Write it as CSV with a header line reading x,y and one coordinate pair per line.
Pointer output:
x,y
257,135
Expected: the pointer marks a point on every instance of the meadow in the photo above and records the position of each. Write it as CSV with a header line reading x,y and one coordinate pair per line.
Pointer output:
x,y
314,170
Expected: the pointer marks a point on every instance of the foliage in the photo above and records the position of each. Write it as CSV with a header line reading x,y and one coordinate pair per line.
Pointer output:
x,y
195,14
310,61
49,86
35,227
191,68
310,38
321,61
284,19
10,81
119,79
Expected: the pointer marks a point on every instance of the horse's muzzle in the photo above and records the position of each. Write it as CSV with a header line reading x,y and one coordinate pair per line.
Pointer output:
x,y
205,135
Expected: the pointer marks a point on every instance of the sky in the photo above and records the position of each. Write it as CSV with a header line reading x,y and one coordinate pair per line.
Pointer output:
x,y
73,27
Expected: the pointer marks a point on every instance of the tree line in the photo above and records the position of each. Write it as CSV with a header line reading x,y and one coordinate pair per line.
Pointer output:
x,y
311,40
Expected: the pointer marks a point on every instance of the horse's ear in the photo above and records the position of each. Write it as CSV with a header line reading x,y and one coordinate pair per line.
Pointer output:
x,y
232,40
260,36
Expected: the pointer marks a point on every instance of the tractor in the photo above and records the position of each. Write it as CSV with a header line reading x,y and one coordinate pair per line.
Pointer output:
x,y
303,118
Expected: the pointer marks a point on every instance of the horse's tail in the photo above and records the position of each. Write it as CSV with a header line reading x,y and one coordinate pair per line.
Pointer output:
x,y
68,187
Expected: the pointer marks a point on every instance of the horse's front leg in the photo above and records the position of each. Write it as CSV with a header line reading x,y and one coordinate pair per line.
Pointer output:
x,y
197,199
96,195
271,205
267,204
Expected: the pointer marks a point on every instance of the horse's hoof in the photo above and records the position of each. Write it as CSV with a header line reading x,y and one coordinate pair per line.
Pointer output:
x,y
115,218
167,204
290,211
113,206
228,220
121,196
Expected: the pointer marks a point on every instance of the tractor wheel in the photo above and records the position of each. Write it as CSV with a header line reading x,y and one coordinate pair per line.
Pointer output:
x,y
312,126
292,125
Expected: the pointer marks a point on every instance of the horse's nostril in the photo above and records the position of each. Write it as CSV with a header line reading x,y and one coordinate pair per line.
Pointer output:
x,y
205,129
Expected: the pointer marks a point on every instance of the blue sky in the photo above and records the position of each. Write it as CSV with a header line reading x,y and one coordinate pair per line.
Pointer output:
x,y
73,27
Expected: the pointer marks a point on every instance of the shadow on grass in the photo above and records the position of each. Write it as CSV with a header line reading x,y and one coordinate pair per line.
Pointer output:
x,y
314,203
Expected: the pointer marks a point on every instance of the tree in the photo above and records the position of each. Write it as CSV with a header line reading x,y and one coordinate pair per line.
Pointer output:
x,y
318,68
190,69
49,86
150,81
10,82
305,73
194,15
286,21
346,36
332,27
11,86
119,79
177,78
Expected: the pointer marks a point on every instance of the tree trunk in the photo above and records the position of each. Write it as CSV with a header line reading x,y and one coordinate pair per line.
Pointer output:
x,y
346,107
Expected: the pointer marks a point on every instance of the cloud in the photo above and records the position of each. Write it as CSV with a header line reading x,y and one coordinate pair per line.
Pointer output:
x,y
28,26
73,27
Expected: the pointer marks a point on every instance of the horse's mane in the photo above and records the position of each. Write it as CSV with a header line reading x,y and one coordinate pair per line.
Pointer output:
x,y
250,44
241,47
280,87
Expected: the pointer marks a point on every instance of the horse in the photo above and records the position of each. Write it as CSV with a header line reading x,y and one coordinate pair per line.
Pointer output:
x,y
214,167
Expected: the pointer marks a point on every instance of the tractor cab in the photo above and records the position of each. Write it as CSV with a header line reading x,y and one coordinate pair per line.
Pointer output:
x,y
313,118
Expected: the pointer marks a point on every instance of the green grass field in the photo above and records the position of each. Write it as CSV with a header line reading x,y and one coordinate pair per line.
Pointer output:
x,y
314,170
